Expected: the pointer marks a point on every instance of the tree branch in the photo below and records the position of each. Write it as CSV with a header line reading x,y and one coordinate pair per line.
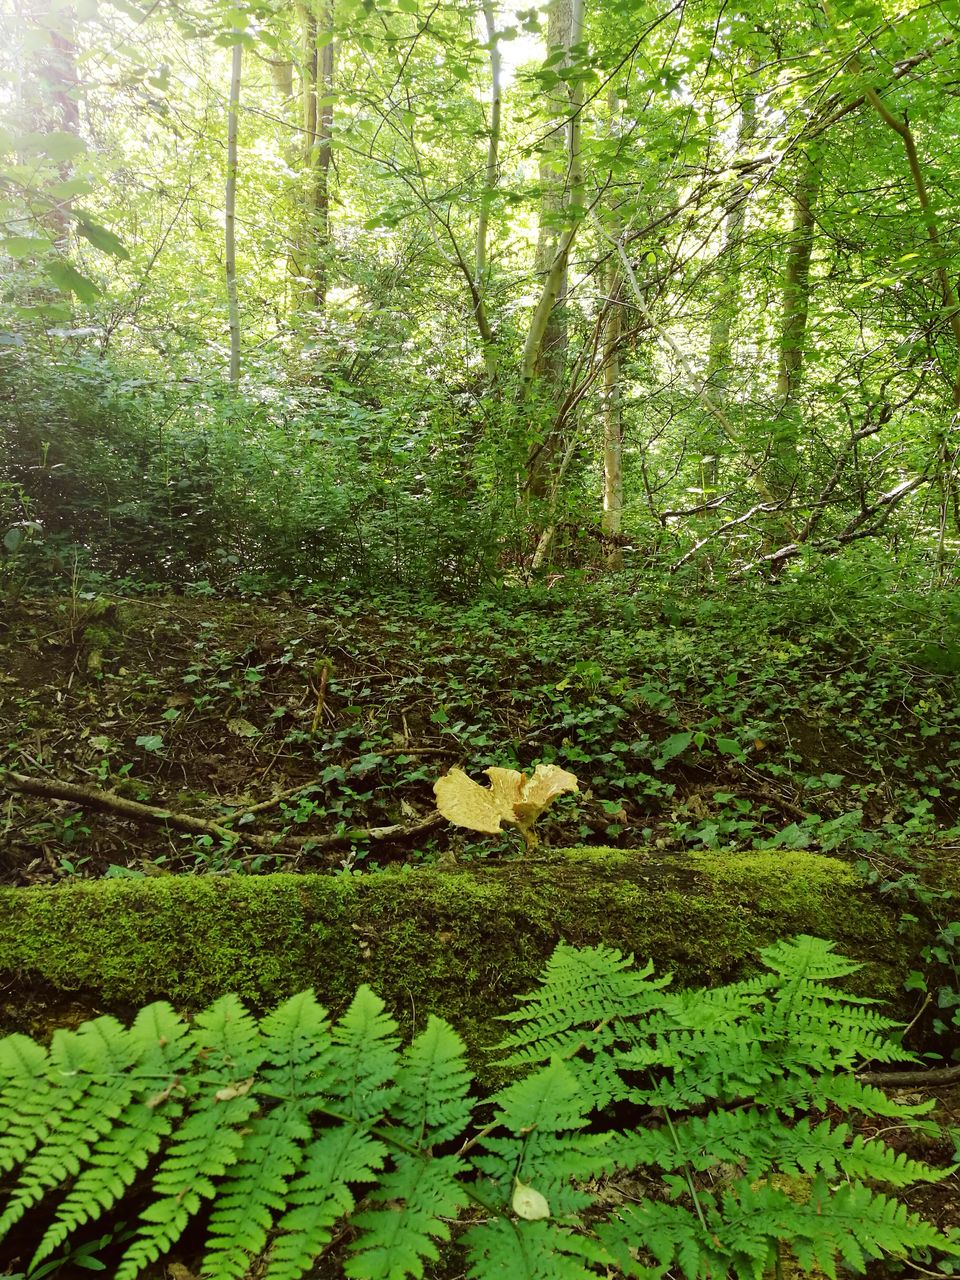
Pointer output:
x,y
109,801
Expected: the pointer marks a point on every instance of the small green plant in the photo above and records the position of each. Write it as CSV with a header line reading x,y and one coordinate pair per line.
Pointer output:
x,y
728,1101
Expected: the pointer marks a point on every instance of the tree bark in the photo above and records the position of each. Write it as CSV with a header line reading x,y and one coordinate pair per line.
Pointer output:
x,y
230,215
307,262
481,270
728,270
795,310
612,422
544,354
321,156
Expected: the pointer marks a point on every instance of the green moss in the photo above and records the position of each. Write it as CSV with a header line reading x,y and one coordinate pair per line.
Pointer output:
x,y
458,942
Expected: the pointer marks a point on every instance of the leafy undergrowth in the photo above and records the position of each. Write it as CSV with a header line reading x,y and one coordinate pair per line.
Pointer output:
x,y
643,1132
795,717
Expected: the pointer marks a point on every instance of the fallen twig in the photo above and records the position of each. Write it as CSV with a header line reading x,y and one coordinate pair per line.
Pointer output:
x,y
911,1079
93,797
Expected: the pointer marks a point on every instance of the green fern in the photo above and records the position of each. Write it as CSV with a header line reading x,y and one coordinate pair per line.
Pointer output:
x,y
220,1090
92,1085
253,1192
160,1047
284,1130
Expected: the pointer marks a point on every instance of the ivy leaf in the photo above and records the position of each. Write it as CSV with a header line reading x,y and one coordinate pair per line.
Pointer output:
x,y
242,728
674,746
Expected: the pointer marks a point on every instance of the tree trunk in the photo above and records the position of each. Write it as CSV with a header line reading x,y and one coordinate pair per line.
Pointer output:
x,y
481,271
727,304
230,218
545,350
612,423
783,464
307,262
948,294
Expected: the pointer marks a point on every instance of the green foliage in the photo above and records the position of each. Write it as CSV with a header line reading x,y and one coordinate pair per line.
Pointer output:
x,y
726,1102
847,743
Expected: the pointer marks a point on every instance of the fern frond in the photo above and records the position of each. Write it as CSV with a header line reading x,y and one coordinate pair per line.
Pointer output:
x,y
221,1098
162,1049
806,957
544,1147
355,1081
851,1222
253,1191
420,1194
670,1234
581,991
361,1071
529,1251
321,1194
89,1073
850,1094
878,1163
547,1099
25,1089
433,1082
750,1137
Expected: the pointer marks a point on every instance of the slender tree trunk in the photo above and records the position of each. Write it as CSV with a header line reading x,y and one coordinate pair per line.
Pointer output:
x,y
545,349
948,293
612,422
323,153
308,260
230,218
946,458
611,517
727,298
902,129
491,177
783,464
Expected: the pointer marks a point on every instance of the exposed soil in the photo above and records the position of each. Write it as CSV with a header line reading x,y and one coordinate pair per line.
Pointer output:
x,y
281,719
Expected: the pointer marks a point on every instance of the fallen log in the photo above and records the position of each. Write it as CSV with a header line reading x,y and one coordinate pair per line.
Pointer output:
x,y
460,942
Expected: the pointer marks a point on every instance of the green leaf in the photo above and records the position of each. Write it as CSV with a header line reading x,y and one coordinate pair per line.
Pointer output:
x,y
69,280
674,746
101,238
62,145
25,246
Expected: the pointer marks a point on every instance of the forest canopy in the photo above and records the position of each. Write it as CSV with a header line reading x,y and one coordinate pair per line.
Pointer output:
x,y
456,292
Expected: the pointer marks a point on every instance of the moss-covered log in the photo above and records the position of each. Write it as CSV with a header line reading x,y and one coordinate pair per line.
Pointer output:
x,y
458,942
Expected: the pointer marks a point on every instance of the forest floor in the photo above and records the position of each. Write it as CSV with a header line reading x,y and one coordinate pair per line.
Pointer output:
x,y
687,725
305,727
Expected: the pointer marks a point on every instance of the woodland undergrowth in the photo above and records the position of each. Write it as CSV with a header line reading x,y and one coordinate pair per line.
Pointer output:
x,y
646,1132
